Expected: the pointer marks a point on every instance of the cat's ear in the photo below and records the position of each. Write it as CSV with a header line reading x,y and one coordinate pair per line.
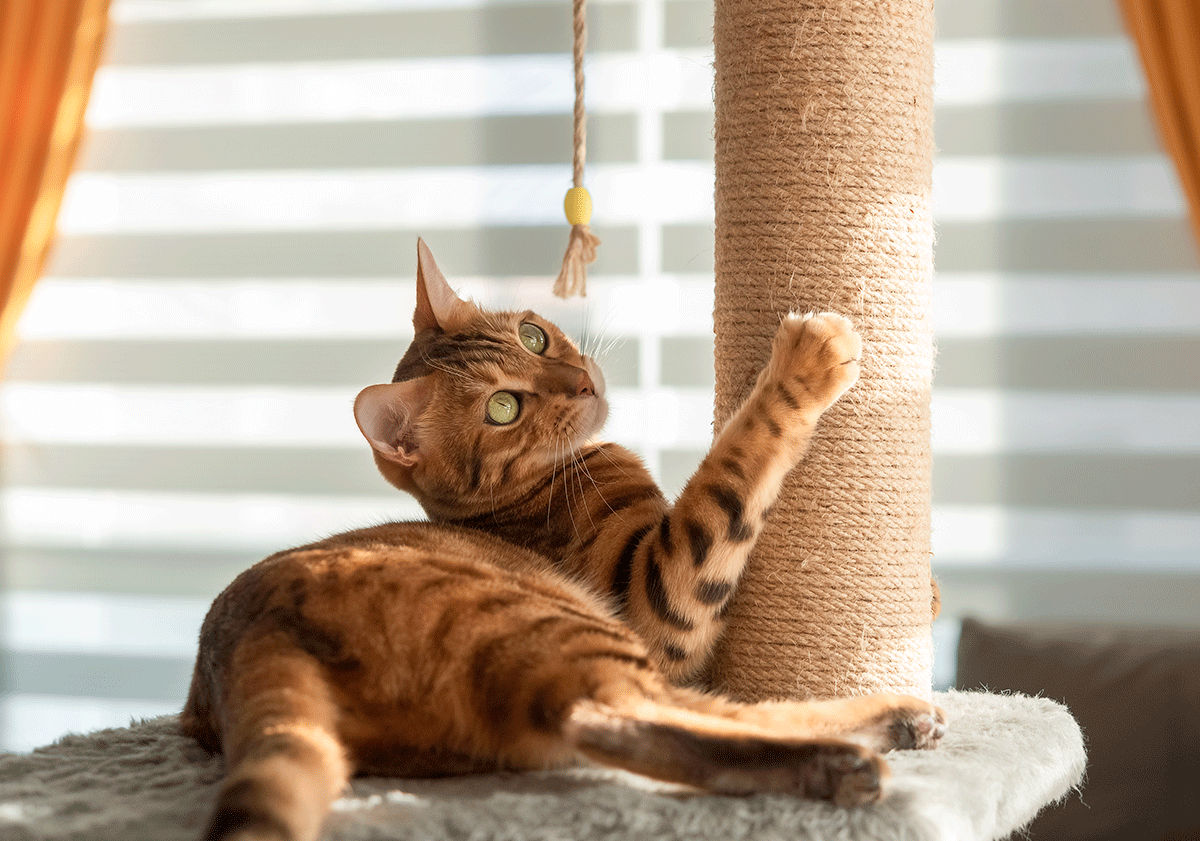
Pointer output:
x,y
437,305
386,415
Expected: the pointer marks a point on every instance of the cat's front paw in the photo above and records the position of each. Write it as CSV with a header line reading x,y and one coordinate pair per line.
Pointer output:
x,y
815,358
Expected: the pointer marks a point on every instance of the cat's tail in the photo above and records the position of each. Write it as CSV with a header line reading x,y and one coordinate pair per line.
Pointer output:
x,y
675,740
285,764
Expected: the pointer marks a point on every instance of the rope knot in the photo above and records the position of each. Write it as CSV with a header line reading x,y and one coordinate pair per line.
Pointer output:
x,y
581,250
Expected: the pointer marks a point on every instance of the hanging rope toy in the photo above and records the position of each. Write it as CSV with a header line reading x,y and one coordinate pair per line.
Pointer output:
x,y
581,247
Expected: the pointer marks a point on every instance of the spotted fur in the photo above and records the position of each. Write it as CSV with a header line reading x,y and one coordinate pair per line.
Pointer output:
x,y
553,608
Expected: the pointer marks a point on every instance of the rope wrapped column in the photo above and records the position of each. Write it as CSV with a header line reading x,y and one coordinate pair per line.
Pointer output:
x,y
824,124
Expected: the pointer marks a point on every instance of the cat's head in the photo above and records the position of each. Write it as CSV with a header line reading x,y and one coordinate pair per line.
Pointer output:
x,y
482,402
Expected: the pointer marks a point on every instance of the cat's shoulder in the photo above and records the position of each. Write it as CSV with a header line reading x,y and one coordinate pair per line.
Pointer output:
x,y
602,454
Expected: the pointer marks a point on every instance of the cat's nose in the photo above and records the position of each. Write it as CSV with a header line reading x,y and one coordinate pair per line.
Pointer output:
x,y
584,387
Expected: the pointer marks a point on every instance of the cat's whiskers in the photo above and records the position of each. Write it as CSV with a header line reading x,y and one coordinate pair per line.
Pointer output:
x,y
586,335
567,480
600,340
553,471
492,482
590,343
593,334
608,346
576,463
583,466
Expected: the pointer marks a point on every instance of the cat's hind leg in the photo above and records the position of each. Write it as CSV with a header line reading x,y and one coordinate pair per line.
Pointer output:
x,y
723,755
285,762
822,749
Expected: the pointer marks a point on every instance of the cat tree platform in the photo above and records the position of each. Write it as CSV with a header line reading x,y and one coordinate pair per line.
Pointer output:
x,y
1004,759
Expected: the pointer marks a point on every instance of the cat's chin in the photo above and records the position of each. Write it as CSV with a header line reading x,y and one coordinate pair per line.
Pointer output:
x,y
601,415
591,419
586,423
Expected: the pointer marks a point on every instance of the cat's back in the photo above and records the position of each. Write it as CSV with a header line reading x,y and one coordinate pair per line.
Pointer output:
x,y
386,565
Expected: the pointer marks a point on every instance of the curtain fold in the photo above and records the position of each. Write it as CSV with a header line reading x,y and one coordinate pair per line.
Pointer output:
x,y
1167,33
49,50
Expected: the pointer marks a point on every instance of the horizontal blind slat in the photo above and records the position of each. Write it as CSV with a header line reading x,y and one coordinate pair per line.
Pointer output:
x,y
1089,245
124,569
162,679
460,87
357,144
533,251
968,72
1091,363
689,22
1070,303
1107,481
255,523
362,200
1077,541
964,189
107,623
346,308
491,28
1065,127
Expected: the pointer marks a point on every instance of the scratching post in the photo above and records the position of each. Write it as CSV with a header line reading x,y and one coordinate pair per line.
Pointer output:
x,y
823,164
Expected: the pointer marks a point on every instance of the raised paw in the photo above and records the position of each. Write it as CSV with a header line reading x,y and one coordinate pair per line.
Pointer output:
x,y
815,359
915,725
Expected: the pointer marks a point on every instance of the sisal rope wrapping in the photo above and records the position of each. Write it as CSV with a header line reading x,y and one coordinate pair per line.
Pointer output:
x,y
823,167
581,244
579,114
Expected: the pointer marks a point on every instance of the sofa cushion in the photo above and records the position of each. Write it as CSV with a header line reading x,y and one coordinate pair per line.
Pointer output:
x,y
1135,692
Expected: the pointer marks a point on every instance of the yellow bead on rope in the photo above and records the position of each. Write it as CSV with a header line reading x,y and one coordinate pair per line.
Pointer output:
x,y
578,206
581,247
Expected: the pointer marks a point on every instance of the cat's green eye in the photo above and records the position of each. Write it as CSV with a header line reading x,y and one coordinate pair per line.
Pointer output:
x,y
533,337
503,408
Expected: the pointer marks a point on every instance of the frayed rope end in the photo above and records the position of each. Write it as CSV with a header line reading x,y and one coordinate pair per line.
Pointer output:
x,y
581,250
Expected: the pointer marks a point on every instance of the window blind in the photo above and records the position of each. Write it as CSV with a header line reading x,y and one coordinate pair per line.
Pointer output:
x,y
236,256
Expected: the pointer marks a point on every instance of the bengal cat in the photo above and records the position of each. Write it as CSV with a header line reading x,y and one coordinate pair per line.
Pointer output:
x,y
554,607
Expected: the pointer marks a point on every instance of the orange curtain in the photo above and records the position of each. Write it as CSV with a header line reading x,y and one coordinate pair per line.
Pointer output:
x,y
49,50
1167,33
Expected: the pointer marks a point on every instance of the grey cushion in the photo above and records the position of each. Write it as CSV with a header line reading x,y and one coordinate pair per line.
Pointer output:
x,y
1005,757
1135,691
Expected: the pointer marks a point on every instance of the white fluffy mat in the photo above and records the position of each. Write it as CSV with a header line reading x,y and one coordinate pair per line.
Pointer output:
x,y
1005,757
